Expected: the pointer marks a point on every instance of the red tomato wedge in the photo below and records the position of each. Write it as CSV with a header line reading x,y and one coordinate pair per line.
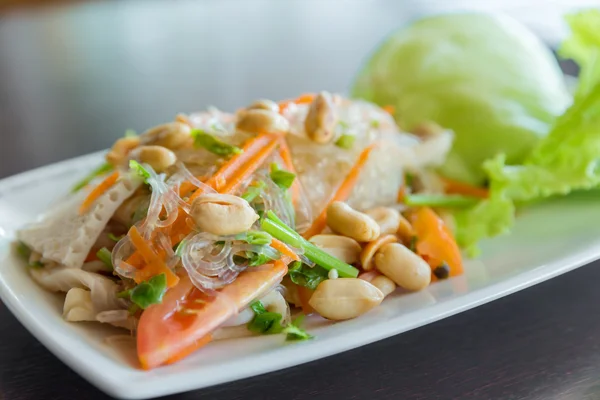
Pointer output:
x,y
435,242
182,323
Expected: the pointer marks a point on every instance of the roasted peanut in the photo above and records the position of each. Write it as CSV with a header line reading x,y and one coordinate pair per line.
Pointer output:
x,y
158,157
387,218
404,267
383,283
367,253
345,298
264,104
261,121
172,135
321,119
342,247
222,214
118,153
343,219
405,230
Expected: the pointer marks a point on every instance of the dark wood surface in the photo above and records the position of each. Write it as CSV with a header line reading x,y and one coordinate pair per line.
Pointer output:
x,y
73,78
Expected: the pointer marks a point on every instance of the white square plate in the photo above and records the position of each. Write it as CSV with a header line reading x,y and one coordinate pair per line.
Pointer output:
x,y
549,239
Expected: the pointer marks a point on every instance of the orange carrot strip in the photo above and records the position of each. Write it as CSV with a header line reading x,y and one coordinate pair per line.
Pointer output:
x,y
456,187
284,249
342,193
154,264
98,191
435,242
229,169
302,99
390,109
249,168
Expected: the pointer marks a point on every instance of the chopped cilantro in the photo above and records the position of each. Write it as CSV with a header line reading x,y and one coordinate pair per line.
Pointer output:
x,y
266,323
303,275
282,178
129,133
104,168
256,259
254,190
140,170
105,256
115,238
293,331
256,237
179,248
23,250
148,292
413,244
374,123
213,144
345,141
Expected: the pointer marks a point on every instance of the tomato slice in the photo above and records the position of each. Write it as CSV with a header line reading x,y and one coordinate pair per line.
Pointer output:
x,y
435,242
182,323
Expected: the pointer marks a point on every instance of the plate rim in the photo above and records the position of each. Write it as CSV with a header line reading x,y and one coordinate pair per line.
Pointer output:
x,y
292,355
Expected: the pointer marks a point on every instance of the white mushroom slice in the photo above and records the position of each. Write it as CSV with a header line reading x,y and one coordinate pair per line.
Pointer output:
x,y
103,291
65,236
78,306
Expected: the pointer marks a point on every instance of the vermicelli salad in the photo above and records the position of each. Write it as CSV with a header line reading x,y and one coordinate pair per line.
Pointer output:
x,y
224,225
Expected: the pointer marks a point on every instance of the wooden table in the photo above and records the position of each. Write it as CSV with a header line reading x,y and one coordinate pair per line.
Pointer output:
x,y
73,78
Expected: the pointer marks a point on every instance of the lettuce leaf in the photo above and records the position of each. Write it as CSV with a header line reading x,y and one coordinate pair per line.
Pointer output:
x,y
566,160
486,77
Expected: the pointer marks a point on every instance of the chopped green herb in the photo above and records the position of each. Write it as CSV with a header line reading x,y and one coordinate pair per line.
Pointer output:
x,y
413,244
115,238
105,256
101,170
282,178
254,190
346,141
129,133
255,237
266,323
440,200
140,170
408,179
256,259
213,144
148,292
179,248
279,230
303,275
23,250
294,332
375,123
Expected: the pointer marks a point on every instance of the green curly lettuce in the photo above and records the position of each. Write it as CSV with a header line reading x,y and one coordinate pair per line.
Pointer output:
x,y
566,160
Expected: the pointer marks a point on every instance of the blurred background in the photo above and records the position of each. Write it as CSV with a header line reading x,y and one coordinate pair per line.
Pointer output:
x,y
74,75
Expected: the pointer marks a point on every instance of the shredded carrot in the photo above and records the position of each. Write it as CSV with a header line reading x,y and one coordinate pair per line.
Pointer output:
x,y
435,242
401,194
457,187
342,193
249,168
284,249
390,109
154,263
235,163
286,157
302,99
98,191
